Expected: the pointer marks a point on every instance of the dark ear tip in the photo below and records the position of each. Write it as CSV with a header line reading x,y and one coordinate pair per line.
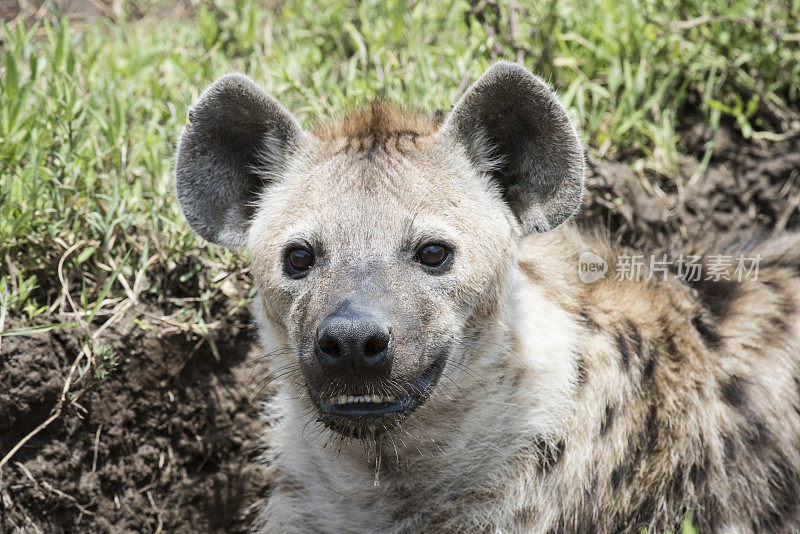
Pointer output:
x,y
234,79
231,83
507,69
507,66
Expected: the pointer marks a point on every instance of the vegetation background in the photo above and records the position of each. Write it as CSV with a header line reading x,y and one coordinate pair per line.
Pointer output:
x,y
128,391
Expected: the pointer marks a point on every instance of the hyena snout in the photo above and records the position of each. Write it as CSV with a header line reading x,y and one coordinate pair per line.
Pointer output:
x,y
369,365
354,341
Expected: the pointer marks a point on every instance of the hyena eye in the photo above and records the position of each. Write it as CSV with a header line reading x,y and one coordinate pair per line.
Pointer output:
x,y
434,255
298,261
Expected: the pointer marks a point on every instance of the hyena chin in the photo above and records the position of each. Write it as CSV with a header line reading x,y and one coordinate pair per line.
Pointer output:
x,y
444,367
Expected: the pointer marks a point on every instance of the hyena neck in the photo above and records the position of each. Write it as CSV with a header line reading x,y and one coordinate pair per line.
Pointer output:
x,y
521,368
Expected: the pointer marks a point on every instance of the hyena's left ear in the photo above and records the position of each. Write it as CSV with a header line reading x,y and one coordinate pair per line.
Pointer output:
x,y
513,126
236,140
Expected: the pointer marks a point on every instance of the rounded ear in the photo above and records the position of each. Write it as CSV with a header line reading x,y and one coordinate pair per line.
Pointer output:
x,y
514,127
237,137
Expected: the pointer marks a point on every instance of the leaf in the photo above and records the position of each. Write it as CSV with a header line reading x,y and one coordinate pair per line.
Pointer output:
x,y
85,254
31,330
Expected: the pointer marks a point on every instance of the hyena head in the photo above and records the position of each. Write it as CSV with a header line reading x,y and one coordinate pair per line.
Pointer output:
x,y
380,243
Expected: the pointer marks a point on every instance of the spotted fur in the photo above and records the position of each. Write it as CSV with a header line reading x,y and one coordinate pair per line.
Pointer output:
x,y
564,406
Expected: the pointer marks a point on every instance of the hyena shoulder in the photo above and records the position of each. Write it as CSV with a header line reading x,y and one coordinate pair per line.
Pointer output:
x,y
688,395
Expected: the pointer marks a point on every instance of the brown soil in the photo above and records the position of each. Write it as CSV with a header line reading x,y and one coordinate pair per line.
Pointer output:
x,y
169,441
747,190
166,443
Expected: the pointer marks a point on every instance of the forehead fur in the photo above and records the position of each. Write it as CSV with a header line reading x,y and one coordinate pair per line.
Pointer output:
x,y
376,124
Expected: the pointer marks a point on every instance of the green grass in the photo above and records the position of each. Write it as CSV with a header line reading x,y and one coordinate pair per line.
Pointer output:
x,y
89,119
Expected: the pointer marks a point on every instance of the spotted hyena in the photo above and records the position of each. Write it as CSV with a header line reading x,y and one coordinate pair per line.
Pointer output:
x,y
445,368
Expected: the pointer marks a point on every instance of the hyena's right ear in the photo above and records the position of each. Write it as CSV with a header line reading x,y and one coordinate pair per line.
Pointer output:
x,y
237,137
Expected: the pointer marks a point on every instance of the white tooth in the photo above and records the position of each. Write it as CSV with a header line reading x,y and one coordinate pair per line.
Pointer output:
x,y
342,399
351,398
376,398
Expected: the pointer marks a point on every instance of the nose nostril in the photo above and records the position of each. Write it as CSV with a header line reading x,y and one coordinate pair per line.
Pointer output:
x,y
329,346
375,346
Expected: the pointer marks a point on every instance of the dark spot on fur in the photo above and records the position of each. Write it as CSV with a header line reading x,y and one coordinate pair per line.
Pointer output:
x,y
529,270
580,372
676,486
757,433
733,393
787,306
698,475
548,454
779,323
635,336
652,428
675,354
608,420
716,295
555,454
617,476
289,486
707,330
624,350
644,512
728,449
772,285
524,518
517,380
648,368
587,320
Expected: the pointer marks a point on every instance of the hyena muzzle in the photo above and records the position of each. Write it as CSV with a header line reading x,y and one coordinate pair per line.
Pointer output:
x,y
441,373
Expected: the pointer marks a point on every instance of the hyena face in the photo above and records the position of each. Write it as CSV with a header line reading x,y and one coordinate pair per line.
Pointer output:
x,y
374,263
381,244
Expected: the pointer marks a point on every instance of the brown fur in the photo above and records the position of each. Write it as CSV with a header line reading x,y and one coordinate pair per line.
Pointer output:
x,y
563,406
378,120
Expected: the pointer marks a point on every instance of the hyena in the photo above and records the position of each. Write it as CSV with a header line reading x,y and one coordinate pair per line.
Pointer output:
x,y
444,367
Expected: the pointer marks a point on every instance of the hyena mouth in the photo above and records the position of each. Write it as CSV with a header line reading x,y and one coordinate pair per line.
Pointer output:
x,y
351,415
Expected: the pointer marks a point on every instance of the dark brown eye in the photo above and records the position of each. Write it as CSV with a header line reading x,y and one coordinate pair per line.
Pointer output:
x,y
298,261
433,255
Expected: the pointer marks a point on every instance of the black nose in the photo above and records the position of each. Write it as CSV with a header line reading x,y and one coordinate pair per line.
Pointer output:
x,y
352,340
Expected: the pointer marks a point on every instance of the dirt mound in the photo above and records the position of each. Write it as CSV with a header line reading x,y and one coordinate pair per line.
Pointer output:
x,y
168,441
746,190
